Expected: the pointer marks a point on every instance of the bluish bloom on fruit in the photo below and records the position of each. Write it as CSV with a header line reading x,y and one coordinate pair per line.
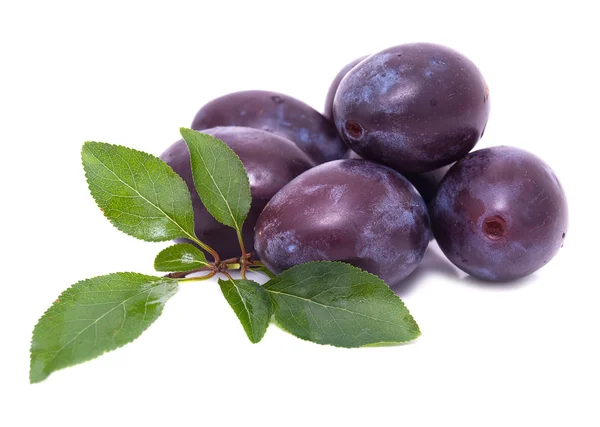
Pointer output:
x,y
414,107
277,113
500,214
355,211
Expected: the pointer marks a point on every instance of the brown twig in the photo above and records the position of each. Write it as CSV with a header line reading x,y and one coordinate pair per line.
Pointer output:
x,y
243,264
182,274
206,276
226,274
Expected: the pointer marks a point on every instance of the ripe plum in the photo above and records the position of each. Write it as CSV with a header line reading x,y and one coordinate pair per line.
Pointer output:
x,y
276,113
500,214
354,211
414,107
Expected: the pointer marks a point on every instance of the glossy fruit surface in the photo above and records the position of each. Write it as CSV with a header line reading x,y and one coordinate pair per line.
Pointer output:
x,y
415,107
500,214
354,211
328,110
270,161
279,114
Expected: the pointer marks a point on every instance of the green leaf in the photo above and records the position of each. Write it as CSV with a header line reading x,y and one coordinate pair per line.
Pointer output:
x,y
95,316
338,304
180,257
264,270
139,193
219,177
251,304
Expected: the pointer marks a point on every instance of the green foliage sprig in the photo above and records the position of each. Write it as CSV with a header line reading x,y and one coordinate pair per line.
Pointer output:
x,y
323,302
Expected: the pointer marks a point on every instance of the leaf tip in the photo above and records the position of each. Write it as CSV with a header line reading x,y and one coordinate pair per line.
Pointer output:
x,y
36,377
87,145
185,132
418,332
85,148
36,369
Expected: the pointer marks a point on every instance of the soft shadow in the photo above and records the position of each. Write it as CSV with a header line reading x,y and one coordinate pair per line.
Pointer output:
x,y
502,286
433,263
391,344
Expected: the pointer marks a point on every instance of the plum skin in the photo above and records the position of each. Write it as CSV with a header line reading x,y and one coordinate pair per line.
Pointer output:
x,y
500,214
277,113
426,183
355,211
328,110
414,107
270,162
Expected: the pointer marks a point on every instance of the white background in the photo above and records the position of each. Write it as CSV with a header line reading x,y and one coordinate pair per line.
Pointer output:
x,y
524,354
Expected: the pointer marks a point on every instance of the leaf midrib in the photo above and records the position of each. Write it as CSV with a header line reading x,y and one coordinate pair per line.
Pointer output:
x,y
333,307
153,285
237,227
245,307
178,261
142,196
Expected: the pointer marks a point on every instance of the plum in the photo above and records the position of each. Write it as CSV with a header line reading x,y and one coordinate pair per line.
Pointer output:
x,y
500,214
354,211
328,111
279,114
270,161
414,107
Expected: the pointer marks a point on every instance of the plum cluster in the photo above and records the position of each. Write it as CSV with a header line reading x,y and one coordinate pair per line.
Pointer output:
x,y
386,168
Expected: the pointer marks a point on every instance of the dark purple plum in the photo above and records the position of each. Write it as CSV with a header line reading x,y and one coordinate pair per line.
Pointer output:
x,y
270,161
328,111
354,211
500,214
427,183
415,107
279,114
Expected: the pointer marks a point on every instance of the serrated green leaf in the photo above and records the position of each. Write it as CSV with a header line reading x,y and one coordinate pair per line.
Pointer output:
x,y
139,193
338,304
95,316
251,304
180,257
219,177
